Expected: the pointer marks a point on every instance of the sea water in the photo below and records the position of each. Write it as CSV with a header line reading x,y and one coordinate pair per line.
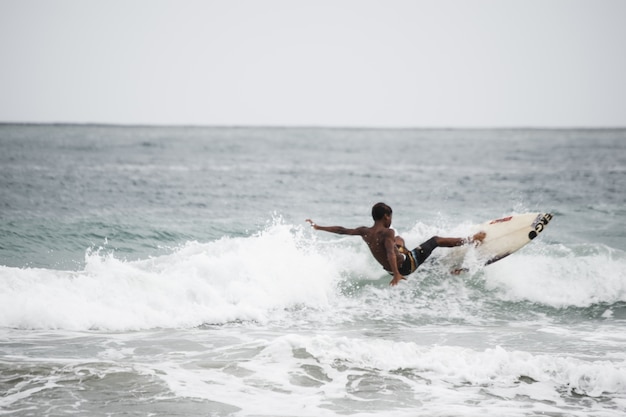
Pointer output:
x,y
161,271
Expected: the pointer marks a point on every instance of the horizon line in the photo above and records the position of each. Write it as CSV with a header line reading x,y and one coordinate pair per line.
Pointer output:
x,y
304,126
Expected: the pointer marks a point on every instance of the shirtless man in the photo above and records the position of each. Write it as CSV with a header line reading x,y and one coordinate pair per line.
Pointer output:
x,y
389,250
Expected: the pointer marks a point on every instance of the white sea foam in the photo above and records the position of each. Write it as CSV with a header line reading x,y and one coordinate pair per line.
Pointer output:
x,y
226,280
284,267
561,276
296,374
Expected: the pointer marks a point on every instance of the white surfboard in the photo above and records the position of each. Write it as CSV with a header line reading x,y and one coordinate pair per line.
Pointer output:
x,y
503,237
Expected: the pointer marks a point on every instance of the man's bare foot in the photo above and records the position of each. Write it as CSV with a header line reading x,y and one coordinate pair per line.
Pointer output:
x,y
479,237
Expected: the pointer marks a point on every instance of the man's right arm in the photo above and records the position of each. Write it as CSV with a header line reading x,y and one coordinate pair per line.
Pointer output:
x,y
340,230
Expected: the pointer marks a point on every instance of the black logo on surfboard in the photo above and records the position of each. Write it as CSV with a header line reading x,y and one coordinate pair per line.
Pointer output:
x,y
540,222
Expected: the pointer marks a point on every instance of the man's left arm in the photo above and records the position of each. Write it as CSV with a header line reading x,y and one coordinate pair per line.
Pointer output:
x,y
390,248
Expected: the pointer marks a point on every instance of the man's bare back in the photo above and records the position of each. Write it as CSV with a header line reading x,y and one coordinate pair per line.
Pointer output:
x,y
388,249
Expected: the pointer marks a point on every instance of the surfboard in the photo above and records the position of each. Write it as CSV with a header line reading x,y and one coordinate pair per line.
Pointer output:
x,y
504,236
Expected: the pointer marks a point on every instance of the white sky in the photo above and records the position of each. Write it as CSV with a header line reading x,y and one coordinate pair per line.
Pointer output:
x,y
388,63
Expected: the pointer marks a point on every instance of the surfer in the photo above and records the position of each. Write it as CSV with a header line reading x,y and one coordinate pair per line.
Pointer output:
x,y
390,250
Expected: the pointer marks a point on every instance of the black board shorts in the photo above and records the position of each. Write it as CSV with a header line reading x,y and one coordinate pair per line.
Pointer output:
x,y
417,256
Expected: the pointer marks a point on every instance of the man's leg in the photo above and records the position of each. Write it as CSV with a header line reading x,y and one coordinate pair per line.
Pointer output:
x,y
450,242
423,251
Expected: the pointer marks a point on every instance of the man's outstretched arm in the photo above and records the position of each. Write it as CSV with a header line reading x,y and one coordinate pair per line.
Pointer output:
x,y
340,230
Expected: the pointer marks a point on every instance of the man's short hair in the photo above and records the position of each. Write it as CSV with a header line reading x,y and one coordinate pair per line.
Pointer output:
x,y
379,210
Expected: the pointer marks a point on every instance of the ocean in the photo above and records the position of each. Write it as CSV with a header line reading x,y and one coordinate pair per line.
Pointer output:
x,y
169,271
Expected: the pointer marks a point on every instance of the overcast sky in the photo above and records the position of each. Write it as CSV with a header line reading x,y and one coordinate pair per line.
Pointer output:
x,y
440,63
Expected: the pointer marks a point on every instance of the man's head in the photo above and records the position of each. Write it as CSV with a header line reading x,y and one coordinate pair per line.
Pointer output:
x,y
379,210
